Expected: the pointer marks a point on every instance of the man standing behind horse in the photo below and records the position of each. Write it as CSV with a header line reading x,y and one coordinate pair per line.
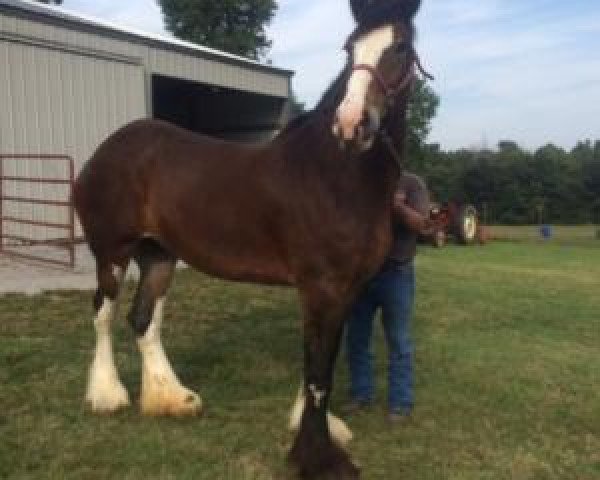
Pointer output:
x,y
392,290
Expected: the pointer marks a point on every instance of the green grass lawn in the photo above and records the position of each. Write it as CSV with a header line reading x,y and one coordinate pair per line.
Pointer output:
x,y
580,235
508,378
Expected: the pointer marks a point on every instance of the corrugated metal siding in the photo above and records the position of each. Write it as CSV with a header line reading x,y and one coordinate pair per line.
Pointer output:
x,y
58,103
157,58
64,87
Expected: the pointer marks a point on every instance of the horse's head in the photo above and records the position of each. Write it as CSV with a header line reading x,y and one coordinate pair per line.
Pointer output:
x,y
382,67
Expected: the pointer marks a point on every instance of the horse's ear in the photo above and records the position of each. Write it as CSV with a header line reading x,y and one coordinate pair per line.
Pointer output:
x,y
412,7
357,7
362,10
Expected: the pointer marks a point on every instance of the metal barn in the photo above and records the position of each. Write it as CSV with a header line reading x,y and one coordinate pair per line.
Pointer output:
x,y
67,81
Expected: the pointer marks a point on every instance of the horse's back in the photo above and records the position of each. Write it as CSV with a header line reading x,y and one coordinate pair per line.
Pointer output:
x,y
137,156
206,200
146,141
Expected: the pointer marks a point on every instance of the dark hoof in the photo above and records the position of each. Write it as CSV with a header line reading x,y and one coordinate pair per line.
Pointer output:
x,y
328,462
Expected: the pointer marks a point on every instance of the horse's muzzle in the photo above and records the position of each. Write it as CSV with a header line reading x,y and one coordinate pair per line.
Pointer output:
x,y
361,136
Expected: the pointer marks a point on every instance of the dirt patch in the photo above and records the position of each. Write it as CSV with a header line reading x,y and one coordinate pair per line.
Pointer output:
x,y
30,277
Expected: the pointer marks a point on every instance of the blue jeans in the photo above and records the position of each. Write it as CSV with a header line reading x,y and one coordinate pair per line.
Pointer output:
x,y
392,289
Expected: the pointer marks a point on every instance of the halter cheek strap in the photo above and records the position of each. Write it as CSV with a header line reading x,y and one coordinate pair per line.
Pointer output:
x,y
391,92
375,74
405,82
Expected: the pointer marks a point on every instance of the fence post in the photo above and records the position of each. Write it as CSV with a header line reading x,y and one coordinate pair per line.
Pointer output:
x,y
1,203
71,213
68,226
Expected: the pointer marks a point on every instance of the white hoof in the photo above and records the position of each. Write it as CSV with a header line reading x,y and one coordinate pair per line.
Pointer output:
x,y
106,395
163,397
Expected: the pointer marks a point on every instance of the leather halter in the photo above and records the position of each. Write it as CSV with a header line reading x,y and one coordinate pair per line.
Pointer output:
x,y
391,91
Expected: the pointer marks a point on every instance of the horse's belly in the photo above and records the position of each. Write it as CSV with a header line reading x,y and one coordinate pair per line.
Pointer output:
x,y
239,270
232,257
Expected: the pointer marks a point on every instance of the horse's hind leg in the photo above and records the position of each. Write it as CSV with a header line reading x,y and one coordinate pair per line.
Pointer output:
x,y
105,392
161,393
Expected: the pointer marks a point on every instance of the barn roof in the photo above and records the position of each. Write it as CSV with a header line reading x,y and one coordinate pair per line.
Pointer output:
x,y
55,13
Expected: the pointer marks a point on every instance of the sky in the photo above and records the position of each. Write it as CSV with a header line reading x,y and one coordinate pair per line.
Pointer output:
x,y
527,71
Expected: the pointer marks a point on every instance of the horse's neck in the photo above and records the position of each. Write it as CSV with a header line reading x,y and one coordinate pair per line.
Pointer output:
x,y
312,148
310,141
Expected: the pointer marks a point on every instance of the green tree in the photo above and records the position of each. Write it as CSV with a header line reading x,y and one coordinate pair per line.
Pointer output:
x,y
234,26
591,179
422,109
444,172
51,2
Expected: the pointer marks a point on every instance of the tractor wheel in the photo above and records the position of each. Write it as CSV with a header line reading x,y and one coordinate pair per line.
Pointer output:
x,y
466,225
438,239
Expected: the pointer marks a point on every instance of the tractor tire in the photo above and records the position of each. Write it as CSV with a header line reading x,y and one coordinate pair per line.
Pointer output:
x,y
438,239
466,226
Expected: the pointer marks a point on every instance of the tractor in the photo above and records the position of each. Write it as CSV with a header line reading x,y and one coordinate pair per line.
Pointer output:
x,y
457,220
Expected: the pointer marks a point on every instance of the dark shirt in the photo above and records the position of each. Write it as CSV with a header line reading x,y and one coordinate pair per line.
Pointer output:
x,y
404,247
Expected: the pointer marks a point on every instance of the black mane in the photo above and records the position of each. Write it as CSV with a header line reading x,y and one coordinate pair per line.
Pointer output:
x,y
334,95
329,101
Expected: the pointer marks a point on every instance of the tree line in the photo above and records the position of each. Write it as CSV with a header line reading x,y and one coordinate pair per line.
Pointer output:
x,y
508,184
514,186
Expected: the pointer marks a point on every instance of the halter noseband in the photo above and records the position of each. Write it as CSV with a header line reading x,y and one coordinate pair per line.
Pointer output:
x,y
390,92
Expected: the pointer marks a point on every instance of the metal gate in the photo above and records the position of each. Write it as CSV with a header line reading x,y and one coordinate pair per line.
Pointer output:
x,y
48,222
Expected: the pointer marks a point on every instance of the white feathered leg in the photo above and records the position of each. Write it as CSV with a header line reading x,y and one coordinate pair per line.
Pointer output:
x,y
340,432
162,393
105,392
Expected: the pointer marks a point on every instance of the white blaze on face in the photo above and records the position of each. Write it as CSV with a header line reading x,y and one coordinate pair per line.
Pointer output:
x,y
367,51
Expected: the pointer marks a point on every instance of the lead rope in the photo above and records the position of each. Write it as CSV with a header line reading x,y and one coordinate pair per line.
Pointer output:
x,y
385,137
389,143
425,73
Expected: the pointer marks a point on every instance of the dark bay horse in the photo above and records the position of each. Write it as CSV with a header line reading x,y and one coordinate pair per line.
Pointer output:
x,y
311,209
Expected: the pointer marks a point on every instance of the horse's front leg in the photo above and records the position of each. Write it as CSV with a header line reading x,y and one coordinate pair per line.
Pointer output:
x,y
314,452
338,429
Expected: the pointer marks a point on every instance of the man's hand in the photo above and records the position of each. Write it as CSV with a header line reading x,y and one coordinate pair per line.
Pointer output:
x,y
433,224
415,221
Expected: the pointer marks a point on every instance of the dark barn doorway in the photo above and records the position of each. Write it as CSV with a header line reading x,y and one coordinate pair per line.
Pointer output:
x,y
217,111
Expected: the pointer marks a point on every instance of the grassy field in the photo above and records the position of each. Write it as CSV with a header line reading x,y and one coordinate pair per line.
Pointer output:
x,y
508,378
562,235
